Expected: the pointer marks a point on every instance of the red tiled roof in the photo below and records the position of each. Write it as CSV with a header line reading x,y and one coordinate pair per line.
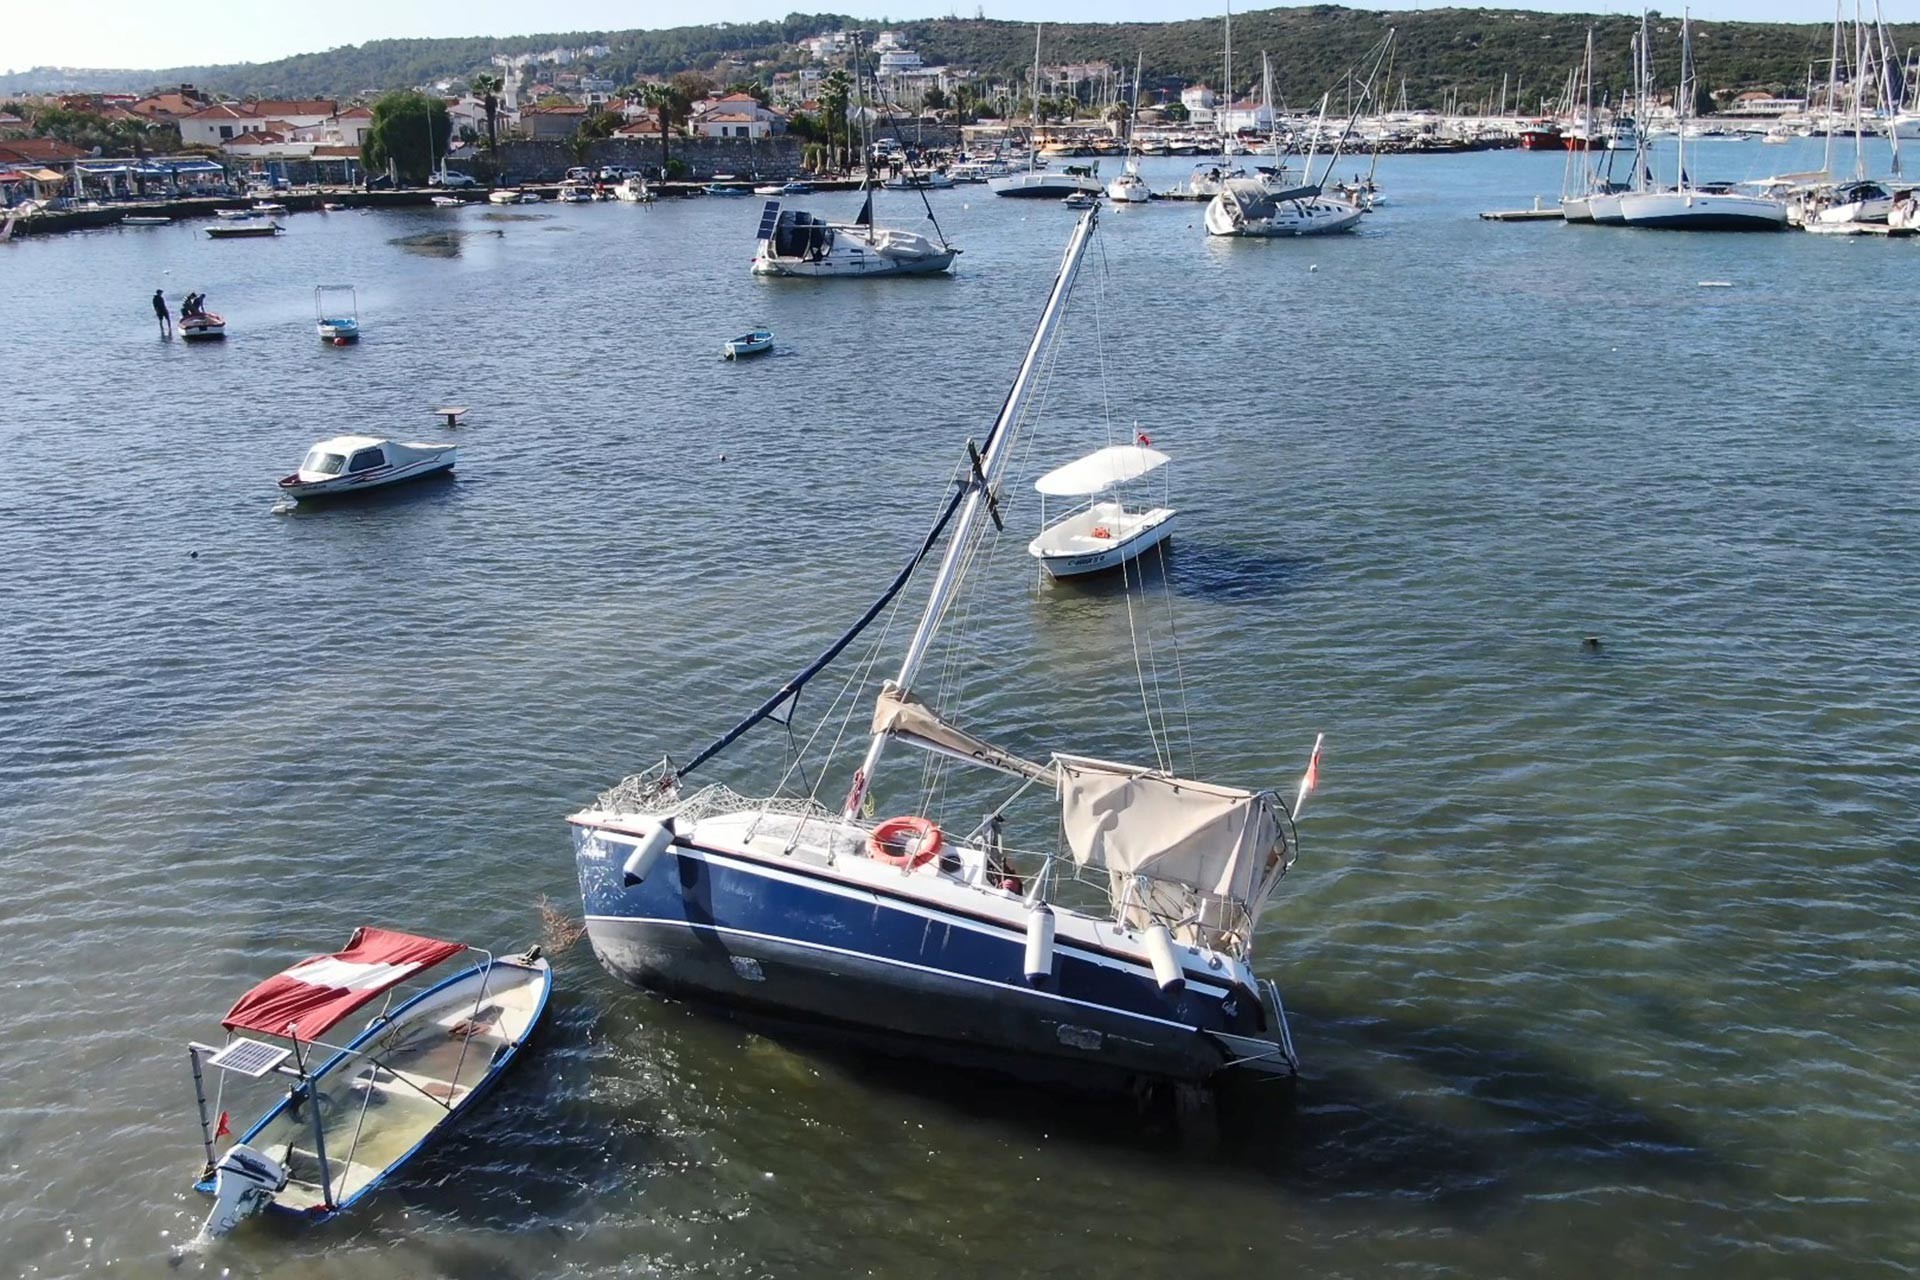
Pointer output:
x,y
253,138
356,113
224,111
297,107
37,151
728,117
166,104
331,151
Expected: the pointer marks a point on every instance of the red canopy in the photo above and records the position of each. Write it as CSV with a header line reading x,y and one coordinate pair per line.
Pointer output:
x,y
316,994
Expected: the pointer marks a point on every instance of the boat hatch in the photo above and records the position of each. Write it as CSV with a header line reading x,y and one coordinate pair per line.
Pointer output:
x,y
253,1058
323,463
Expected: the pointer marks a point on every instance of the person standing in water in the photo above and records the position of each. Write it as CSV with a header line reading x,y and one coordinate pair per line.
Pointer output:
x,y
160,311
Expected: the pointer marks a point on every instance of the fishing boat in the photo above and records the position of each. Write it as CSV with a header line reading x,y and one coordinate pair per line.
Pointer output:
x,y
747,344
1038,182
338,324
351,1114
203,327
355,464
1113,949
241,228
1099,532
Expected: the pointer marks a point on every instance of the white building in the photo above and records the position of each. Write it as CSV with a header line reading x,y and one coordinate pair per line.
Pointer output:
x,y
1199,101
899,62
1243,115
738,115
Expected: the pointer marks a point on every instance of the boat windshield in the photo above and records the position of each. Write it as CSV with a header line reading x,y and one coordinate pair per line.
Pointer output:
x,y
327,464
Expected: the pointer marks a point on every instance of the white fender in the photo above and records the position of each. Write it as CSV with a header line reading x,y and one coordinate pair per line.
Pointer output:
x,y
641,862
1039,944
1166,965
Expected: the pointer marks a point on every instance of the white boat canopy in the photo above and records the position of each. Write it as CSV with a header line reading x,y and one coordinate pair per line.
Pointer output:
x,y
1101,470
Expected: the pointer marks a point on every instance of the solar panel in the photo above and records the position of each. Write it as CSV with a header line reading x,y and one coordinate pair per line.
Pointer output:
x,y
768,217
250,1057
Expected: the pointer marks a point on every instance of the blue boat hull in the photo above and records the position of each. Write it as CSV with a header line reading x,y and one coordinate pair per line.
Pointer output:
x,y
897,974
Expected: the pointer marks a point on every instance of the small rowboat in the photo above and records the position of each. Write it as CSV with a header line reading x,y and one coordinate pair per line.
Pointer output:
x,y
748,344
348,1116
202,327
144,220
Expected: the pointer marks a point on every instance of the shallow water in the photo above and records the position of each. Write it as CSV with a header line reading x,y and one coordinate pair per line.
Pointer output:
x,y
1601,962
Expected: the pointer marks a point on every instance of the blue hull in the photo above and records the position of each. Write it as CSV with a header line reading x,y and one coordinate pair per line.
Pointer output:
x,y
899,974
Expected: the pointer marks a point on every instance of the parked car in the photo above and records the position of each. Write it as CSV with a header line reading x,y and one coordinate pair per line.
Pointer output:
x,y
452,178
580,175
614,173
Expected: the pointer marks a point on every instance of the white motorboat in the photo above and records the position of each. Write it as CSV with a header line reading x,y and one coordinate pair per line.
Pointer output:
x,y
1205,182
1862,202
770,189
574,193
354,464
793,242
1245,207
346,1116
204,327
919,180
758,342
529,197
144,220
725,190
242,228
1103,534
447,202
503,195
634,190
336,313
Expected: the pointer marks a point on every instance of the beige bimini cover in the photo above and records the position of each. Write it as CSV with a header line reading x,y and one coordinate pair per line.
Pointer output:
x,y
899,713
1210,854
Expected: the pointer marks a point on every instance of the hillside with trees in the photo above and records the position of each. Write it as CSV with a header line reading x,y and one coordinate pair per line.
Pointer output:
x,y
1459,52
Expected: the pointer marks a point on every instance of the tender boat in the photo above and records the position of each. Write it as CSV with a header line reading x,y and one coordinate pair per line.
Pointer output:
x,y
333,206
793,242
574,193
268,207
1103,534
350,1115
1108,949
748,344
354,464
503,195
1081,200
201,328
240,228
338,325
529,197
233,213
919,180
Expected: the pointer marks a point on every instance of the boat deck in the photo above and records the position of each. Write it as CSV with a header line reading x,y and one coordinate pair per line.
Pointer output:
x,y
380,1102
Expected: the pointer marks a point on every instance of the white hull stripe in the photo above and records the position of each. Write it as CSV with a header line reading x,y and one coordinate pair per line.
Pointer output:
x,y
918,968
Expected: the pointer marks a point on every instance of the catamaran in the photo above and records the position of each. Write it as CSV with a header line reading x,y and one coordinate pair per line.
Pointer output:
x,y
1110,945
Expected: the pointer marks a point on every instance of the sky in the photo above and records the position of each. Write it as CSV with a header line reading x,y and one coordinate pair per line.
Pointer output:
x,y
164,33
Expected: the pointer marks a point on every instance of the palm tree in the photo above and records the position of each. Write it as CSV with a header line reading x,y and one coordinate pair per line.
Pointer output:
x,y
836,91
487,87
669,103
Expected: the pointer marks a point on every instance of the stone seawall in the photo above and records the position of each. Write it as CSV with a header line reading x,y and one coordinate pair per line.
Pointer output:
x,y
764,158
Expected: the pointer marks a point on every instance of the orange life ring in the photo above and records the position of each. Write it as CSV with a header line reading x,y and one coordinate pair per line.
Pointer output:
x,y
1101,531
894,832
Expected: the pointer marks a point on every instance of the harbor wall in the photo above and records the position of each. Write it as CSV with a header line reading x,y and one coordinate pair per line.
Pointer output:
x,y
766,158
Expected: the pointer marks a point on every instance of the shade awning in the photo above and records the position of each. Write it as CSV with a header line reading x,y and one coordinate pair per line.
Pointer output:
x,y
304,1002
45,175
1101,470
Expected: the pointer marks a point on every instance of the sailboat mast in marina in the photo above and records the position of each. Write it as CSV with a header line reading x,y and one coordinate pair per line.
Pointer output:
x,y
1110,947
1037,183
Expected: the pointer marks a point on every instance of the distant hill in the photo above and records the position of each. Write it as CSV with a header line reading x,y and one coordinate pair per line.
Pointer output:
x,y
1441,52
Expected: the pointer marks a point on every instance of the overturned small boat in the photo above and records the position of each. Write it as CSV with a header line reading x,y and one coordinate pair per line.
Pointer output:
x,y
352,1114
351,464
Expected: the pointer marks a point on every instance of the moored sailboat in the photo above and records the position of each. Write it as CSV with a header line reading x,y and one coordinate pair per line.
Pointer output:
x,y
1116,948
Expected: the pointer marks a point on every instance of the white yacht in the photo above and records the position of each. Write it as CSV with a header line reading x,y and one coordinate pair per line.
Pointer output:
x,y
1246,207
793,242
1130,187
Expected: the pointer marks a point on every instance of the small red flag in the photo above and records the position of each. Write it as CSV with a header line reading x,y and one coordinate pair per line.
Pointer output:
x,y
221,1130
1142,439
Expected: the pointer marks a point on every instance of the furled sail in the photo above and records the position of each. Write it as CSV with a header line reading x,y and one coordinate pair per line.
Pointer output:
x,y
1207,856
898,713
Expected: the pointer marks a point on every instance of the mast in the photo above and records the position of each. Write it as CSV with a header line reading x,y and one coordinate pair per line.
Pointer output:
x,y
1226,93
1683,109
1833,88
989,467
1033,136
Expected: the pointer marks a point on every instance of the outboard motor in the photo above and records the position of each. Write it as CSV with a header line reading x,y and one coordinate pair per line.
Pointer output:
x,y
244,1182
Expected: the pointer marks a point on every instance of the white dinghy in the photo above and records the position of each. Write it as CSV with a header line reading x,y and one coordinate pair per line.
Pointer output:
x,y
1103,534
